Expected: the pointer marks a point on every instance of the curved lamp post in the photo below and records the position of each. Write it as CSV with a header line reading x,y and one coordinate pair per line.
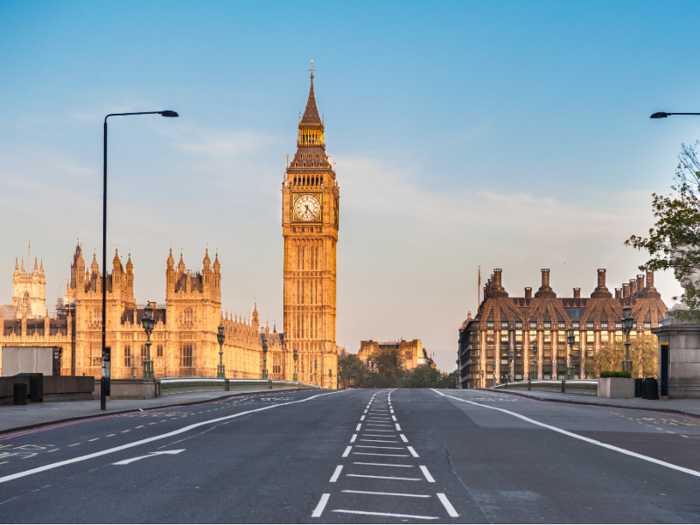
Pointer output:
x,y
571,340
533,368
221,369
264,344
627,325
662,114
166,113
148,323
296,378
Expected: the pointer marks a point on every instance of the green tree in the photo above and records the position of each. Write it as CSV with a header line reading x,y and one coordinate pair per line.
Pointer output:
x,y
385,369
674,240
643,354
424,376
352,370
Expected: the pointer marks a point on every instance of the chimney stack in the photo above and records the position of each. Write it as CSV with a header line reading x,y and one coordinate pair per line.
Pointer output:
x,y
640,283
528,292
601,278
545,277
650,279
577,293
497,277
625,290
633,286
618,293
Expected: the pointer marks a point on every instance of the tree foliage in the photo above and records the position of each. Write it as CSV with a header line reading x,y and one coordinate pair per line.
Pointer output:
x,y
352,370
643,354
425,376
674,240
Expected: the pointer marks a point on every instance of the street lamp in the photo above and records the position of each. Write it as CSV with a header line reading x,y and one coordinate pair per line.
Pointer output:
x,y
511,338
264,344
330,378
296,378
627,324
533,368
147,322
571,340
315,371
221,369
167,113
662,114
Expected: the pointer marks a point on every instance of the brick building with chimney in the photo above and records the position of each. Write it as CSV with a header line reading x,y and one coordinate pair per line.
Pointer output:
x,y
503,322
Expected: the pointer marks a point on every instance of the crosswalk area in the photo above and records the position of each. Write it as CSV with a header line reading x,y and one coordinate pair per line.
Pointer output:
x,y
380,477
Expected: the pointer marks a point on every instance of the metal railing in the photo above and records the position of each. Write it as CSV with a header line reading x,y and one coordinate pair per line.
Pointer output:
x,y
587,387
183,385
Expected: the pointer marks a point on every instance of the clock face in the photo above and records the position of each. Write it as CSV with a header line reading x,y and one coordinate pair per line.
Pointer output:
x,y
307,208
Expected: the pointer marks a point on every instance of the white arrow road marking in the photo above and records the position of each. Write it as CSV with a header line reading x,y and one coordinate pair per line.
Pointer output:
x,y
152,454
50,466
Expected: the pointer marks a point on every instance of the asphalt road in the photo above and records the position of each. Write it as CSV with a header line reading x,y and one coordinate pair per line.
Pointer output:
x,y
362,456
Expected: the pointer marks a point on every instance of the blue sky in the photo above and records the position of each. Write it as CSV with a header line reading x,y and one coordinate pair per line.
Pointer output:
x,y
500,134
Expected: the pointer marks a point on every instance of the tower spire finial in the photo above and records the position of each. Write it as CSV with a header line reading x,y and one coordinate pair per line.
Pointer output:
x,y
312,69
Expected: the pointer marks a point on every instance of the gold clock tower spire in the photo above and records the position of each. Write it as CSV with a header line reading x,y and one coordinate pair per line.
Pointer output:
x,y
310,220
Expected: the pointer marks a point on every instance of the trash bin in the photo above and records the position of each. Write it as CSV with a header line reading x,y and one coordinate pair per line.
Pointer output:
x,y
652,388
644,387
37,387
638,387
20,394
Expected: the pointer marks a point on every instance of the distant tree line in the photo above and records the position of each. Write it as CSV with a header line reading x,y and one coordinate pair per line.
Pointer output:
x,y
385,369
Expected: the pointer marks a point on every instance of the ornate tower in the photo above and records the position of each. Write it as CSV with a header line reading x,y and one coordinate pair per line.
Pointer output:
x,y
310,219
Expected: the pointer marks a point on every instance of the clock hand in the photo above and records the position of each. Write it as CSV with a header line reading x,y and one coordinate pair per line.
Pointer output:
x,y
307,208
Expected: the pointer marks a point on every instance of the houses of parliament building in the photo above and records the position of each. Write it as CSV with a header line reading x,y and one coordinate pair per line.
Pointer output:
x,y
184,340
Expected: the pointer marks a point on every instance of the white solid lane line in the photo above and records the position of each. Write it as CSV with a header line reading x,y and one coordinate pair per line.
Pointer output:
x,y
382,477
377,446
387,493
383,464
582,438
405,440
388,514
385,455
427,474
412,451
321,505
353,438
151,455
448,506
336,474
347,451
167,435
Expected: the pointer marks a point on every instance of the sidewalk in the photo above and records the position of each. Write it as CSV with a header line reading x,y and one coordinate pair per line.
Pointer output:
x,y
20,417
686,407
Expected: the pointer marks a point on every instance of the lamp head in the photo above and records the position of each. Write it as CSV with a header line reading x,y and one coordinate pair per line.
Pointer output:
x,y
220,335
168,113
627,310
660,114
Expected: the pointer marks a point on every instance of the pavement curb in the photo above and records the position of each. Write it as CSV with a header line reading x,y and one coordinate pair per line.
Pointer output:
x,y
608,405
119,412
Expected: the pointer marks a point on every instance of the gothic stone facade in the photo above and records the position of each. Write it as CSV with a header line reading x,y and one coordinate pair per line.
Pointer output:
x,y
184,338
503,322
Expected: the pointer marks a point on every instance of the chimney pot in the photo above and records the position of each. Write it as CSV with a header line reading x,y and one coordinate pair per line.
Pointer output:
x,y
577,293
601,278
528,292
650,279
545,277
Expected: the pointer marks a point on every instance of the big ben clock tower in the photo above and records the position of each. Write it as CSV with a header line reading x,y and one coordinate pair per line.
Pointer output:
x,y
310,220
